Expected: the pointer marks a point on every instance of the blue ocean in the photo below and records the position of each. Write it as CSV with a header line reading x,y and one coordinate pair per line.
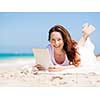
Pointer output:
x,y
5,56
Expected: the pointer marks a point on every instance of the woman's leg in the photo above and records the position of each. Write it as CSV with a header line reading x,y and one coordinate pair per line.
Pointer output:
x,y
87,30
86,47
87,53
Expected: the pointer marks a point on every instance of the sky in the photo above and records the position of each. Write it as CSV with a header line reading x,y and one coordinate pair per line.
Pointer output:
x,y
22,31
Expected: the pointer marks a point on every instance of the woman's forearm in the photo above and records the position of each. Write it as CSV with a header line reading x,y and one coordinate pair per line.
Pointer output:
x,y
60,68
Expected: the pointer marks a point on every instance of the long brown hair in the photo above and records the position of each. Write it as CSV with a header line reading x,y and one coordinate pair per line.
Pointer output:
x,y
69,44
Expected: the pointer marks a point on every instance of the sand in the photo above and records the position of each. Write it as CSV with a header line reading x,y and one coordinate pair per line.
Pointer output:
x,y
18,73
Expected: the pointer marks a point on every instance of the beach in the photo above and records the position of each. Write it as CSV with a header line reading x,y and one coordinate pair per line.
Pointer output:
x,y
18,73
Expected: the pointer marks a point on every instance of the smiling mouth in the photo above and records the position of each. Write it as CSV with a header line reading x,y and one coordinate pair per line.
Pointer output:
x,y
56,46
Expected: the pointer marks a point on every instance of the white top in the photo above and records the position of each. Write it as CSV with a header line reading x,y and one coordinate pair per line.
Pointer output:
x,y
53,62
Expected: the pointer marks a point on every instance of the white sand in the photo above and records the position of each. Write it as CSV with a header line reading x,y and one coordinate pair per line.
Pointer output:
x,y
13,74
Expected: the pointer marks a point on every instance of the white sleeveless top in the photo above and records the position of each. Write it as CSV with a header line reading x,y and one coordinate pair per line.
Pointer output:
x,y
53,62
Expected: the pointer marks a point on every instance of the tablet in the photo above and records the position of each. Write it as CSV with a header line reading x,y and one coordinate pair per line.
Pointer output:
x,y
42,56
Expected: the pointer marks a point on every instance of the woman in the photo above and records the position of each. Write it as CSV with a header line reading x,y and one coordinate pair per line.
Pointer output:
x,y
65,51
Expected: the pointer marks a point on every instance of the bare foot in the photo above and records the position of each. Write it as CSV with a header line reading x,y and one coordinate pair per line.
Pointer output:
x,y
87,29
91,28
85,26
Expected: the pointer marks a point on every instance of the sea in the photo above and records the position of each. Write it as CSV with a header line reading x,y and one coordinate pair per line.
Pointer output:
x,y
16,60
7,56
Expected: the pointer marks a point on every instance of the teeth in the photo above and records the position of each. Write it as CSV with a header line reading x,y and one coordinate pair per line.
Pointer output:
x,y
56,47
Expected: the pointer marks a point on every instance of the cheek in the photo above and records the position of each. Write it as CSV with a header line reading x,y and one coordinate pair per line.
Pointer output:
x,y
62,43
51,43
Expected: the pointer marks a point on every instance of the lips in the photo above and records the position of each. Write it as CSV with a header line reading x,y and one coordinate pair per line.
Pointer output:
x,y
57,46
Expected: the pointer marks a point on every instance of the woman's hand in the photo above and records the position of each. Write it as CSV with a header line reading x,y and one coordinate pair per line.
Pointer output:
x,y
56,69
60,68
40,67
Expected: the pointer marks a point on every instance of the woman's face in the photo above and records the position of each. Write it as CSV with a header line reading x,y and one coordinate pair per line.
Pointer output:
x,y
56,40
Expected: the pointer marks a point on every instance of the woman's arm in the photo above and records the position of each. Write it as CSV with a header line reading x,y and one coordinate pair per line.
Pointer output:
x,y
54,68
59,68
39,67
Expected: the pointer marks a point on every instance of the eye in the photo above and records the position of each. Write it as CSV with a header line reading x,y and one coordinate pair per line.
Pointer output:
x,y
59,39
52,40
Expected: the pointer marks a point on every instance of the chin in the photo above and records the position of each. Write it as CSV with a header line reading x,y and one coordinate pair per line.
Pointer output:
x,y
57,48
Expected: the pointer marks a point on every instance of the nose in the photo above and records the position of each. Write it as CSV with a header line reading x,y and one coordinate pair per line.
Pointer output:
x,y
56,42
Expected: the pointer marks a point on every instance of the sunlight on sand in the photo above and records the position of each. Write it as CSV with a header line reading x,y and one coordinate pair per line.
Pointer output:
x,y
19,73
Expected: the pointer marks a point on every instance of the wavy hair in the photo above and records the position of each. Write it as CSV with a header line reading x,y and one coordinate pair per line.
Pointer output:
x,y
69,44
